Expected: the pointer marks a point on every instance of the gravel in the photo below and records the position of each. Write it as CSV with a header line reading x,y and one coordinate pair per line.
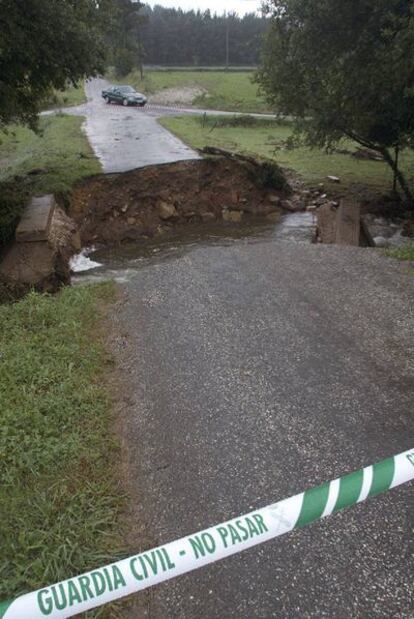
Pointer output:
x,y
252,372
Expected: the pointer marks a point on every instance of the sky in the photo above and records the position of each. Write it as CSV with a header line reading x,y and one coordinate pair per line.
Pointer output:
x,y
216,6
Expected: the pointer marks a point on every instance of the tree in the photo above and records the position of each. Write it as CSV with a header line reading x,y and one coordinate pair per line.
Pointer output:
x,y
175,37
125,36
43,45
344,69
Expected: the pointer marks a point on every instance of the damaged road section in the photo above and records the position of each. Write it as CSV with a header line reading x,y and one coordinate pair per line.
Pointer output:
x,y
109,209
149,201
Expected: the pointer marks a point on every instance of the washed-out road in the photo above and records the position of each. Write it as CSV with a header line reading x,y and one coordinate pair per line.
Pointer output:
x,y
252,371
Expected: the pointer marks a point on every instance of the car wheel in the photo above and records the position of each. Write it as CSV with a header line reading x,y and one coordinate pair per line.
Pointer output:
x,y
125,102
107,100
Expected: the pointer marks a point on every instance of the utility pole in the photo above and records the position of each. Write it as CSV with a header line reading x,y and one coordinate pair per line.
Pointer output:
x,y
227,40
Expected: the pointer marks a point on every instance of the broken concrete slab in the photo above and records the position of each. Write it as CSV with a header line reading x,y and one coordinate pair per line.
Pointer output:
x,y
348,226
35,222
343,225
40,265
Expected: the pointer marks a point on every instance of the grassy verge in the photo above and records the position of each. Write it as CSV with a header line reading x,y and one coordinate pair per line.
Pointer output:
x,y
405,252
271,139
73,95
47,162
59,496
232,90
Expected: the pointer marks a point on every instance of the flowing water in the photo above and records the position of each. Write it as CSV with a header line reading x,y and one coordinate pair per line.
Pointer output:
x,y
122,262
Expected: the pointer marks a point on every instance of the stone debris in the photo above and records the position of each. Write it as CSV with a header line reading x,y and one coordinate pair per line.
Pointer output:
x,y
233,216
167,211
381,241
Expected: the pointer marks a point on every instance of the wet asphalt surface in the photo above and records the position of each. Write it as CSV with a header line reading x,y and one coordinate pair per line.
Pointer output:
x,y
253,371
125,138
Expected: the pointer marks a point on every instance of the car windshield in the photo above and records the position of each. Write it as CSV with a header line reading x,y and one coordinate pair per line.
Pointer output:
x,y
126,89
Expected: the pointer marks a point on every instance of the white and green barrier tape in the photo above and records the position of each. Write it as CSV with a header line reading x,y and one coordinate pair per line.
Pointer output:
x,y
105,584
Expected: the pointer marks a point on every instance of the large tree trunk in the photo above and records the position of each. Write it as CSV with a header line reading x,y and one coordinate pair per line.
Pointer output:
x,y
393,163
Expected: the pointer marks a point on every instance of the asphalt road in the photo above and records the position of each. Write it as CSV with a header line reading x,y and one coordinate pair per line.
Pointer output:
x,y
125,138
252,372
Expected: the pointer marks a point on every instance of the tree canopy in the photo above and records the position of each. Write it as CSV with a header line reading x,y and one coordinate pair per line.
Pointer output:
x,y
43,45
344,69
176,37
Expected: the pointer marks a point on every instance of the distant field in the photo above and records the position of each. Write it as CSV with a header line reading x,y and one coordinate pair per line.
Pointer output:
x,y
232,90
271,139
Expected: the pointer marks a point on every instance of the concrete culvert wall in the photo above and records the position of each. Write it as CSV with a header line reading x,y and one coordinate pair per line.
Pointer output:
x,y
148,201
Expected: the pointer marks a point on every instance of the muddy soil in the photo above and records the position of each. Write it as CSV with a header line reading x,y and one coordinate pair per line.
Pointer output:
x,y
150,201
177,96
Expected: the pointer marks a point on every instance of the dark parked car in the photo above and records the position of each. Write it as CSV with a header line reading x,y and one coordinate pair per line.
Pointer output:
x,y
125,95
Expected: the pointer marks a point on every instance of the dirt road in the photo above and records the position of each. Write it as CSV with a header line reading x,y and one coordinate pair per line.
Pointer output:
x,y
252,372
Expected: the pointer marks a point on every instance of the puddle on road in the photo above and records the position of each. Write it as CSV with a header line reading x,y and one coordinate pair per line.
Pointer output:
x,y
123,261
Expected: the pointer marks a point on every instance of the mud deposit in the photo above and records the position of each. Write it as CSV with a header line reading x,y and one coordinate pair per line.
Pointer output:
x,y
149,202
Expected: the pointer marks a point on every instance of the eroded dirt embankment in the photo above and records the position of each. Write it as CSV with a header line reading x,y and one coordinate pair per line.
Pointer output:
x,y
149,201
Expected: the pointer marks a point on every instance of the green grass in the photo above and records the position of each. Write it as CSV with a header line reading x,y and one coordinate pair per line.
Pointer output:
x,y
47,162
60,500
232,90
60,151
270,139
73,95
405,252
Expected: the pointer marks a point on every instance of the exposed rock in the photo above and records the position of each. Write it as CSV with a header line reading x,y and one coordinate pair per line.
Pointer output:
x,y
131,221
274,217
294,205
287,205
381,241
174,193
233,216
273,199
408,228
125,208
167,211
130,234
261,209
234,196
333,179
206,217
64,235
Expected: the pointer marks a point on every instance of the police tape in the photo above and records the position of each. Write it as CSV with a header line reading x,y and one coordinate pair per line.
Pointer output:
x,y
112,582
